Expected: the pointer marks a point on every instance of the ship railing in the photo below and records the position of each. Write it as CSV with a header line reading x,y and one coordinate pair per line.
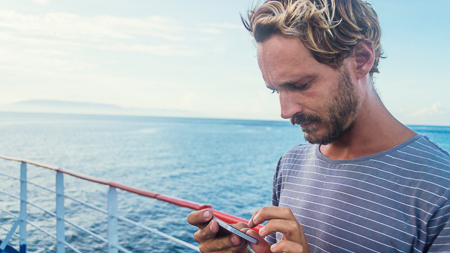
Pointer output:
x,y
113,217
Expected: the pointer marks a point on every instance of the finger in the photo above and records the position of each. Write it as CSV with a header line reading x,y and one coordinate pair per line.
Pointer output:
x,y
250,222
207,232
290,229
287,246
236,240
200,218
262,245
240,225
230,243
273,212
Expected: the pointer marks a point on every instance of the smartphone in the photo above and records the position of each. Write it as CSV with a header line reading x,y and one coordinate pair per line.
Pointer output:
x,y
230,229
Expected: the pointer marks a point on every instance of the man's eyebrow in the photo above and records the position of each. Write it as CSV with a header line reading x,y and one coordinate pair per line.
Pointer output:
x,y
303,80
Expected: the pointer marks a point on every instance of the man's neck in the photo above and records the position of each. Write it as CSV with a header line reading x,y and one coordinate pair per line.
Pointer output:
x,y
373,130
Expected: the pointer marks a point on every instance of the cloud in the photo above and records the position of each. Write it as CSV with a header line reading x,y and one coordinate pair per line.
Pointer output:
x,y
97,28
101,30
45,44
110,59
435,109
223,25
42,2
157,50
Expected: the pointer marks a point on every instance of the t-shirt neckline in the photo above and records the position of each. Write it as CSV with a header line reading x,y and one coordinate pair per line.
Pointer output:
x,y
320,156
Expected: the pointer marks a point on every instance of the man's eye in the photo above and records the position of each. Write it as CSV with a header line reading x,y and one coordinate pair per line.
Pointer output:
x,y
301,87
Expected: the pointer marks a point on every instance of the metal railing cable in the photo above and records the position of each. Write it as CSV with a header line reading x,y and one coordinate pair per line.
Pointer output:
x,y
158,232
153,230
175,201
53,236
42,230
30,203
100,210
112,245
54,215
10,213
111,212
69,197
87,204
2,227
6,175
5,229
33,224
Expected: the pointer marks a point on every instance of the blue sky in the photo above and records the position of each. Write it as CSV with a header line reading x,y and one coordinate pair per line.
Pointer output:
x,y
196,56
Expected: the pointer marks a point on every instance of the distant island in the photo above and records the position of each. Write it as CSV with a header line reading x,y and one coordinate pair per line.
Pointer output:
x,y
72,107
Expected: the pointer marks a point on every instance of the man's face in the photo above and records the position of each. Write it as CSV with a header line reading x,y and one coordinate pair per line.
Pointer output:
x,y
320,99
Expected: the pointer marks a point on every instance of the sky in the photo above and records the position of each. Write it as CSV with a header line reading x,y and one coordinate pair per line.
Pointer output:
x,y
195,56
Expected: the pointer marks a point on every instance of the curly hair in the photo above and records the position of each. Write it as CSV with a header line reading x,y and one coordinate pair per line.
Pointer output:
x,y
330,29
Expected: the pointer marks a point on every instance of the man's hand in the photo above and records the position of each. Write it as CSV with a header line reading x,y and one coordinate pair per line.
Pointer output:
x,y
208,238
281,219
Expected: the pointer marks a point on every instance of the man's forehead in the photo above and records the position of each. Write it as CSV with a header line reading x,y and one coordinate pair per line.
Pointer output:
x,y
280,41
283,59
282,48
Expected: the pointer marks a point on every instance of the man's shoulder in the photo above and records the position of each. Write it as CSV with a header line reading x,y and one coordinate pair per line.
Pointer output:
x,y
298,154
301,149
420,160
425,144
423,150
294,158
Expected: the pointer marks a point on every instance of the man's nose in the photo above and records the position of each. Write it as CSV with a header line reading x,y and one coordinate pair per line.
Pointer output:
x,y
289,105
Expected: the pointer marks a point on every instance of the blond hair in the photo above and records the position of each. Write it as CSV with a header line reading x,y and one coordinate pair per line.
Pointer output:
x,y
329,29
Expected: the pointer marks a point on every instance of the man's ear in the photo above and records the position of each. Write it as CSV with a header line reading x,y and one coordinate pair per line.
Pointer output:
x,y
364,57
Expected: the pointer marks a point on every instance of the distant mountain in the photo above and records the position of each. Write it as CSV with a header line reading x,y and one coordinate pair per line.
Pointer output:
x,y
66,104
54,106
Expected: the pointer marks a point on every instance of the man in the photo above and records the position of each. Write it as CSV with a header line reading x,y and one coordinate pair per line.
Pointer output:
x,y
365,182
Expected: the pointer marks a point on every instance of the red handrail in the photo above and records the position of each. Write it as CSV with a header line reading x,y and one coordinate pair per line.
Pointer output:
x,y
175,201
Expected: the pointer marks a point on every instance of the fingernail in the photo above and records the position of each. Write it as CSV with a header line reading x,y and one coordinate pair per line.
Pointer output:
x,y
261,231
207,214
211,228
255,220
235,240
272,248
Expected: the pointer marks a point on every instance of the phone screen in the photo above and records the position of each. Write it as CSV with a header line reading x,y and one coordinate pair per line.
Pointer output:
x,y
235,231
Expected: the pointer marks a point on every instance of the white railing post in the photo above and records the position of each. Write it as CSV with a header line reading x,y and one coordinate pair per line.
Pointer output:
x,y
60,230
23,207
113,239
22,218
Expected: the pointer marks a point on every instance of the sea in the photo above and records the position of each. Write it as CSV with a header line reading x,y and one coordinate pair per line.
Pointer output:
x,y
225,163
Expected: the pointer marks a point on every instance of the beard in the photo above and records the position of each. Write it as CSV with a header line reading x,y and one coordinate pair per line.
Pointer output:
x,y
342,110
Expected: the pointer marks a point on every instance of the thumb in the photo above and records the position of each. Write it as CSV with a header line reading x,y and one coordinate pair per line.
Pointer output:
x,y
262,246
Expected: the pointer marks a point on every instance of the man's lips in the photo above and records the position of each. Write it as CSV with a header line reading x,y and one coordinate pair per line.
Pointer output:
x,y
302,123
306,124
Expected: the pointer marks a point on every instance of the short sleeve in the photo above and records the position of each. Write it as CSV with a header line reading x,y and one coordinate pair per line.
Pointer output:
x,y
439,229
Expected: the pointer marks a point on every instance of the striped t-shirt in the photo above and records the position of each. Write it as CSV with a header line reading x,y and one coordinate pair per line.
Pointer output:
x,y
393,201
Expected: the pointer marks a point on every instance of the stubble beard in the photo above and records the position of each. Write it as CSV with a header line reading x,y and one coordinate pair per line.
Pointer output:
x,y
339,114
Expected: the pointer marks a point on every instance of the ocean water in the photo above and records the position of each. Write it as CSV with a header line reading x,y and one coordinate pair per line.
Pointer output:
x,y
225,163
